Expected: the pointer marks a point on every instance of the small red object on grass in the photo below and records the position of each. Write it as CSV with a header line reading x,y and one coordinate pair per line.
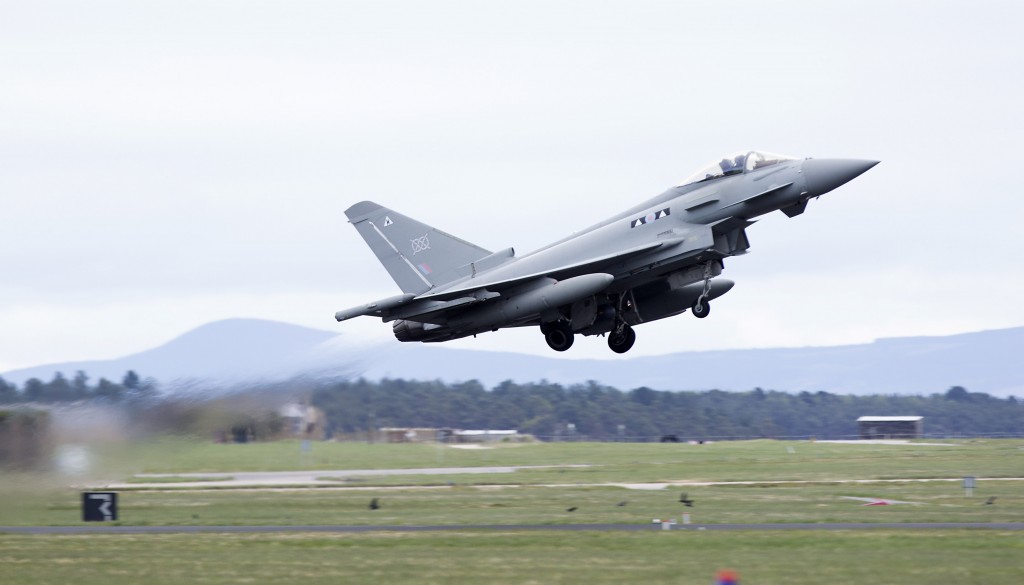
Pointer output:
x,y
727,577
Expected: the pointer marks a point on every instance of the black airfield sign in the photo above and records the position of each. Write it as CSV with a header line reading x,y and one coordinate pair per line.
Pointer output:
x,y
99,506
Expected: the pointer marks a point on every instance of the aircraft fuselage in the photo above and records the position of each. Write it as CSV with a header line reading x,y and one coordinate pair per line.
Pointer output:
x,y
654,260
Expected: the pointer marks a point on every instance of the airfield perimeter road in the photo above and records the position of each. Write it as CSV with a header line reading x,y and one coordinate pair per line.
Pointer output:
x,y
502,527
319,480
338,477
326,478
313,478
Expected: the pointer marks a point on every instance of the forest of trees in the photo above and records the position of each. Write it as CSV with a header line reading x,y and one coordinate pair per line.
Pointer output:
x,y
60,389
600,412
585,411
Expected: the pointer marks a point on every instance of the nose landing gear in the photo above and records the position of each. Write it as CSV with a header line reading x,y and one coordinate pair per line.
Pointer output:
x,y
701,308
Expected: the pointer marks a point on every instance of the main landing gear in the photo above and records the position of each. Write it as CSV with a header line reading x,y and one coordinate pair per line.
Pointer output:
x,y
622,338
558,335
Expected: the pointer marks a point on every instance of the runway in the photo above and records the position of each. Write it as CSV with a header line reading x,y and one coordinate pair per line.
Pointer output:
x,y
43,530
315,478
349,479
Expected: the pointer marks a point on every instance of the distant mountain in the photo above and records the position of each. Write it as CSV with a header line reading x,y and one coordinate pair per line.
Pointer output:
x,y
986,361
242,351
232,351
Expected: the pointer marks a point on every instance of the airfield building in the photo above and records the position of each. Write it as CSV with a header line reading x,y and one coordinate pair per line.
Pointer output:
x,y
890,427
422,435
486,436
303,421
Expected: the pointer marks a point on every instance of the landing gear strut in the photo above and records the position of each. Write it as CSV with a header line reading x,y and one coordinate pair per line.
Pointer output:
x,y
701,308
558,335
622,338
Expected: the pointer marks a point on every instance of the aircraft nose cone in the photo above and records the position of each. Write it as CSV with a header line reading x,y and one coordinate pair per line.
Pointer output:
x,y
824,174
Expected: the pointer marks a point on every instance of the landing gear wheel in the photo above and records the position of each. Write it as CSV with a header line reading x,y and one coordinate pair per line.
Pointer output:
x,y
701,308
559,336
622,342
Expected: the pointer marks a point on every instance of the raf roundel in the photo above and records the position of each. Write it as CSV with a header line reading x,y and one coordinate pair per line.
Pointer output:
x,y
650,217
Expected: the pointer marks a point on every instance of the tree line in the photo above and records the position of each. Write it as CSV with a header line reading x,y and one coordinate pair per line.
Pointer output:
x,y
61,389
601,412
554,411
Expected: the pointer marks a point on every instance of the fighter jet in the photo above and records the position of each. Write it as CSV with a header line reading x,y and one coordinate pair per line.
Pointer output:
x,y
655,260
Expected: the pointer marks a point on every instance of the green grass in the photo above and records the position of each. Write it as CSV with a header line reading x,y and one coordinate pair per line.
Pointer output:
x,y
472,500
763,460
940,502
869,556
175,479
593,558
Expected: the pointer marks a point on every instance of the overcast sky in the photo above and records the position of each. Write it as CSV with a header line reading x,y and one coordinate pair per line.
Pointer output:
x,y
167,164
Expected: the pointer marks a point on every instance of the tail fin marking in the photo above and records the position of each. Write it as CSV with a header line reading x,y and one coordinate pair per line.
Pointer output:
x,y
417,256
387,222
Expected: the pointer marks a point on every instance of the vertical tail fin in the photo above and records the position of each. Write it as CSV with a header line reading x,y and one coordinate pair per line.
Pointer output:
x,y
417,256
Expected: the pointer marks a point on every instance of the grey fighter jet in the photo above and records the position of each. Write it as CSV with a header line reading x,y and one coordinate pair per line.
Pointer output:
x,y
655,260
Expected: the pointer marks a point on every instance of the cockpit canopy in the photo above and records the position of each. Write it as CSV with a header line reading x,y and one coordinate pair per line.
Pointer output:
x,y
736,163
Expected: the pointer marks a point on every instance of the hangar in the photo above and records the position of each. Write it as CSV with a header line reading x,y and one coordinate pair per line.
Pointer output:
x,y
890,427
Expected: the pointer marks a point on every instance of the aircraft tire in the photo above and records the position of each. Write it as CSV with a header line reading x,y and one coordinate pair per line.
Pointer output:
x,y
701,308
559,337
624,342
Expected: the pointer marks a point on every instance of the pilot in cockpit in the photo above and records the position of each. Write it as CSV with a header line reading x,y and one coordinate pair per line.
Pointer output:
x,y
731,166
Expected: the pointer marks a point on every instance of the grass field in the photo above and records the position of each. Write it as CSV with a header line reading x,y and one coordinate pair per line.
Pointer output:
x,y
539,497
939,502
884,557
725,461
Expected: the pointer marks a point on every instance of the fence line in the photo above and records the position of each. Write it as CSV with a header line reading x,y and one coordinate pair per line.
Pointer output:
x,y
379,437
579,437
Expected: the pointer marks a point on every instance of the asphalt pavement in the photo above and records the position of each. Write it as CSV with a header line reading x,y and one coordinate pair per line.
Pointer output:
x,y
306,477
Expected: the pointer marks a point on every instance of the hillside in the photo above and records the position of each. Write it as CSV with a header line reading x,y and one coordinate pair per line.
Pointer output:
x,y
239,351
